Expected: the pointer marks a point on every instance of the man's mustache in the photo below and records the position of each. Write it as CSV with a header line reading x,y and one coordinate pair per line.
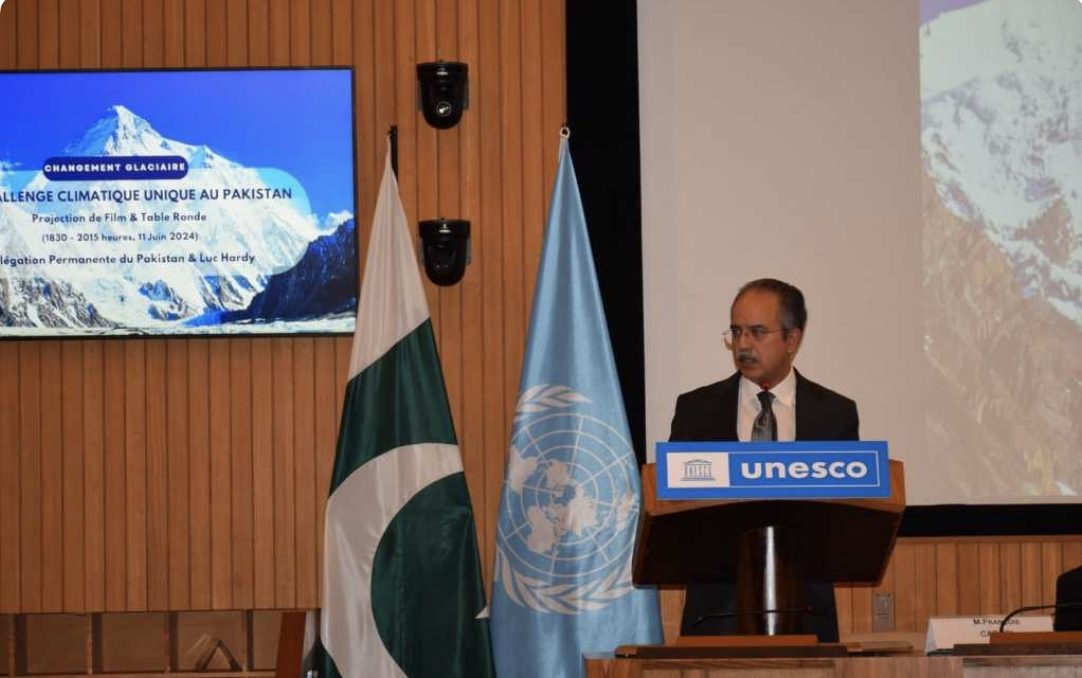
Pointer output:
x,y
746,356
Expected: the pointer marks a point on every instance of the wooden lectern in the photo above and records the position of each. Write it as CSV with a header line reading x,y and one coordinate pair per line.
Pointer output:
x,y
770,548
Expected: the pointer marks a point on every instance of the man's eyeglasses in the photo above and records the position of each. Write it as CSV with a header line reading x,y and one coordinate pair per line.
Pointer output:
x,y
756,333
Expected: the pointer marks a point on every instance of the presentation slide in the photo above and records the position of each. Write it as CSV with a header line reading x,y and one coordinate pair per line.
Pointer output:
x,y
177,202
915,168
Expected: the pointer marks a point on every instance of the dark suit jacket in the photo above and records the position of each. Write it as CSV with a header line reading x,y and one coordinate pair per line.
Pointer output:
x,y
710,413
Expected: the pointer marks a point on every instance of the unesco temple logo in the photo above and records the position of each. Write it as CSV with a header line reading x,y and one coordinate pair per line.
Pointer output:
x,y
698,470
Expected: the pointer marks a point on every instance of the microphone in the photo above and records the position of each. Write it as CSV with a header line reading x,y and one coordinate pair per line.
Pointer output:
x,y
1030,608
741,613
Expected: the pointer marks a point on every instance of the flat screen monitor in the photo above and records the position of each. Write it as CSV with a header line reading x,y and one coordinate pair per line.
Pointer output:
x,y
177,202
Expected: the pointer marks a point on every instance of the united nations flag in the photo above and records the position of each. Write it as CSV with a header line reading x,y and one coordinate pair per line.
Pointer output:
x,y
571,495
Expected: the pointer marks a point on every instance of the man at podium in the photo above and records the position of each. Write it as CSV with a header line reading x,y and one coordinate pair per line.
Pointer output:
x,y
766,399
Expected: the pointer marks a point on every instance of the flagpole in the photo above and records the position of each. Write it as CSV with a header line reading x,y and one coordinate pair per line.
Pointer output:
x,y
392,134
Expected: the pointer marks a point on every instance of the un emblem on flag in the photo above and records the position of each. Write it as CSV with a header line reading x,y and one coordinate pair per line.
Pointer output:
x,y
570,502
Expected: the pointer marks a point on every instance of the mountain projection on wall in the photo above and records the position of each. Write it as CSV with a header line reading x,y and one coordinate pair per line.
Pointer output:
x,y
1001,135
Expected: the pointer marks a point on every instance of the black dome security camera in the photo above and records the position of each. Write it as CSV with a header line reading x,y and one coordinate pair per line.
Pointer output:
x,y
443,92
445,248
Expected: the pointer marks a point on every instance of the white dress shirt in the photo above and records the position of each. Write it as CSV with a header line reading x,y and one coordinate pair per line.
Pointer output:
x,y
784,407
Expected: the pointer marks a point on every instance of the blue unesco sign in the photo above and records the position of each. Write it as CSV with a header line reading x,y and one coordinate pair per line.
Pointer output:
x,y
805,470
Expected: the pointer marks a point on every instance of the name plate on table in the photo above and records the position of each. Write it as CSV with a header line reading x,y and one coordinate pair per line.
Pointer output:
x,y
769,470
946,632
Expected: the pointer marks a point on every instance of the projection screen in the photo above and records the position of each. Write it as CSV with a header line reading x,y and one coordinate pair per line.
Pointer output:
x,y
915,168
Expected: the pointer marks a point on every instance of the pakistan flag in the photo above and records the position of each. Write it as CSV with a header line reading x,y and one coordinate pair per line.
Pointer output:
x,y
402,578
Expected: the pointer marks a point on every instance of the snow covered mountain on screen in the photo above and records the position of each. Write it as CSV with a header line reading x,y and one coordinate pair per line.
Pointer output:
x,y
276,232
32,299
1001,131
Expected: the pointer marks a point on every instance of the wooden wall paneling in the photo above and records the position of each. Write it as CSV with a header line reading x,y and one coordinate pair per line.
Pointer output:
x,y
278,29
73,496
259,32
343,353
10,475
236,24
370,145
341,32
1072,555
447,184
157,418
488,249
26,21
195,34
30,474
284,480
8,37
988,576
327,405
886,585
925,584
173,41
154,33
178,448
241,369
51,644
300,36
93,442
425,194
861,605
304,470
471,424
553,87
860,609
969,598
515,314
395,50
322,33
1031,572
52,497
410,164
905,607
843,604
131,37
241,366
111,29
221,476
534,181
1051,567
1010,574
263,465
48,34
672,610
90,33
135,469
177,396
69,33
115,484
381,106
217,29
199,474
946,564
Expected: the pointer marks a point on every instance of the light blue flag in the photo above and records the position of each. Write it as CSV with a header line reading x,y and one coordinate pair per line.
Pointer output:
x,y
571,495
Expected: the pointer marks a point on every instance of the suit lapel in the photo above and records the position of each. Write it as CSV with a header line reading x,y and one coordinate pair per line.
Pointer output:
x,y
808,419
727,392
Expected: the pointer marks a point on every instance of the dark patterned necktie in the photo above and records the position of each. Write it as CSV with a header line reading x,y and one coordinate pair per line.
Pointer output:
x,y
765,426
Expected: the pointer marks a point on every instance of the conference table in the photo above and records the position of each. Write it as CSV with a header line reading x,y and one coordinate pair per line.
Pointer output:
x,y
1013,666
